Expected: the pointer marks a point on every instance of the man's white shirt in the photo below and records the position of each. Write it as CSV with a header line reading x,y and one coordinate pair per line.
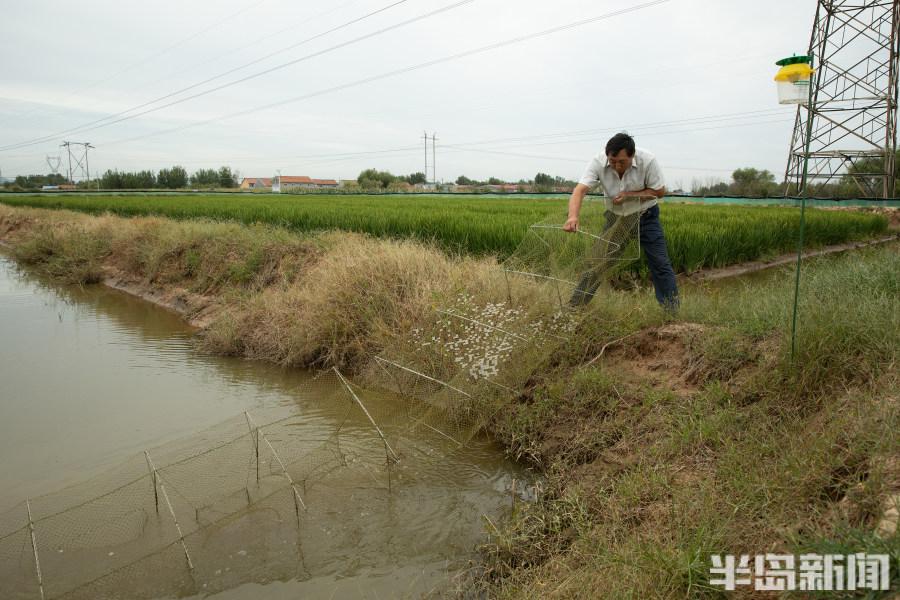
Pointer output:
x,y
644,173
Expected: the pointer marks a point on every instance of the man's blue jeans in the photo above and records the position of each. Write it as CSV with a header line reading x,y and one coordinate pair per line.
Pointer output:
x,y
653,243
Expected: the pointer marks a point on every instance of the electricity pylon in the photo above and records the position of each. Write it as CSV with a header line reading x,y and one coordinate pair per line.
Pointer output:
x,y
81,160
854,46
54,162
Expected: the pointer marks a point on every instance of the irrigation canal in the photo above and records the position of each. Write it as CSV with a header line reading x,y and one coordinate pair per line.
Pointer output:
x,y
90,377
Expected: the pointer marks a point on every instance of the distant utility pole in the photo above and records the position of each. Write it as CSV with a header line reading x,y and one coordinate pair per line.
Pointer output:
x,y
426,157
433,157
81,160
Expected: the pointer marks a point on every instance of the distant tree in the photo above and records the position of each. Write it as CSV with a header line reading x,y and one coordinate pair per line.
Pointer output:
x,y
463,180
752,182
543,179
202,177
744,182
711,187
115,180
173,178
374,179
143,180
495,181
30,182
416,178
226,178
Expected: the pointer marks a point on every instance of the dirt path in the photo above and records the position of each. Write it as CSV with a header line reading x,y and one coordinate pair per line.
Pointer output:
x,y
754,266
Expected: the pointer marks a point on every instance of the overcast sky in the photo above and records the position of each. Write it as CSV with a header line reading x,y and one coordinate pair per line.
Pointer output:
x,y
691,80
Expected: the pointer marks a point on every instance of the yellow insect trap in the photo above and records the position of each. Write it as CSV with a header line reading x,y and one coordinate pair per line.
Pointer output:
x,y
793,80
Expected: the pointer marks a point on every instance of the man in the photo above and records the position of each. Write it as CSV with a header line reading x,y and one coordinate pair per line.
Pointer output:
x,y
632,181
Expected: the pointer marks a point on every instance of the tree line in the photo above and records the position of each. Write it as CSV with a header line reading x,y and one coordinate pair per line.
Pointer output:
x,y
857,182
171,178
373,179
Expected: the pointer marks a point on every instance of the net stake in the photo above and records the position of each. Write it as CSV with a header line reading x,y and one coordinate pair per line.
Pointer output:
x,y
298,501
155,482
255,442
387,446
37,562
162,488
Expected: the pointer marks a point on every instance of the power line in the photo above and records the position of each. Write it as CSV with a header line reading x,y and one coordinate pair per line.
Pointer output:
x,y
394,73
146,59
122,116
633,127
462,147
252,43
648,130
582,132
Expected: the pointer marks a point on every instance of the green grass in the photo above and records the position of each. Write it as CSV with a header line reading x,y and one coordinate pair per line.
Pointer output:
x,y
762,455
698,236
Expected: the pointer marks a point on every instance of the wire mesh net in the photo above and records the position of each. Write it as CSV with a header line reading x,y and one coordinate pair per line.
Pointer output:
x,y
576,264
185,516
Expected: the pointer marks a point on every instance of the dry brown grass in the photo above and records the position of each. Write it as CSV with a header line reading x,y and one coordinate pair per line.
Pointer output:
x,y
359,296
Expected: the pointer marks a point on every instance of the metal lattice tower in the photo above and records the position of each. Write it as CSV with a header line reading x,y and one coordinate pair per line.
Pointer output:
x,y
855,50
81,160
54,162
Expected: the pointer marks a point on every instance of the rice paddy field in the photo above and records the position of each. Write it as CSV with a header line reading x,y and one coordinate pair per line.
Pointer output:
x,y
698,236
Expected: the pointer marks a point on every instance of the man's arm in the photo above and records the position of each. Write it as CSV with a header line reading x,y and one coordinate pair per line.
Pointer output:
x,y
658,193
575,201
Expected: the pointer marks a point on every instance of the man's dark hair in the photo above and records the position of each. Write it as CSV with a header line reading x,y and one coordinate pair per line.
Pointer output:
x,y
619,142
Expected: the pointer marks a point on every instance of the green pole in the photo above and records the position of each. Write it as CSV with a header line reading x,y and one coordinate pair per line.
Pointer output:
x,y
803,194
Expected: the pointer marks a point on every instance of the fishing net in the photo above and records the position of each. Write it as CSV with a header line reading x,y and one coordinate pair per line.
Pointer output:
x,y
576,264
174,518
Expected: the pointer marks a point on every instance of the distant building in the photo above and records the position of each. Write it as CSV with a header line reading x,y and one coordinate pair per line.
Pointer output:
x,y
255,183
286,183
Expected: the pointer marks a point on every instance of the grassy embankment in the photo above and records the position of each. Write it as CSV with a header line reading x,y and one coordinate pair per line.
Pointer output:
x,y
688,436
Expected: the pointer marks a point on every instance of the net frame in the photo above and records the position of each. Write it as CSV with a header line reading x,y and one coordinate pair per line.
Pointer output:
x,y
578,261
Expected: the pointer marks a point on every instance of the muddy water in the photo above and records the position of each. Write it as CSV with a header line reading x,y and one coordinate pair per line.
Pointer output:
x,y
89,377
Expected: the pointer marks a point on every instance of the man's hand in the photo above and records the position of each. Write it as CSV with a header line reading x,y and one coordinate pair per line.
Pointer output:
x,y
620,198
647,194
578,194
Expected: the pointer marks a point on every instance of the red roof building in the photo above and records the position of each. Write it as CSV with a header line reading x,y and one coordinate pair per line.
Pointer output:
x,y
254,183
